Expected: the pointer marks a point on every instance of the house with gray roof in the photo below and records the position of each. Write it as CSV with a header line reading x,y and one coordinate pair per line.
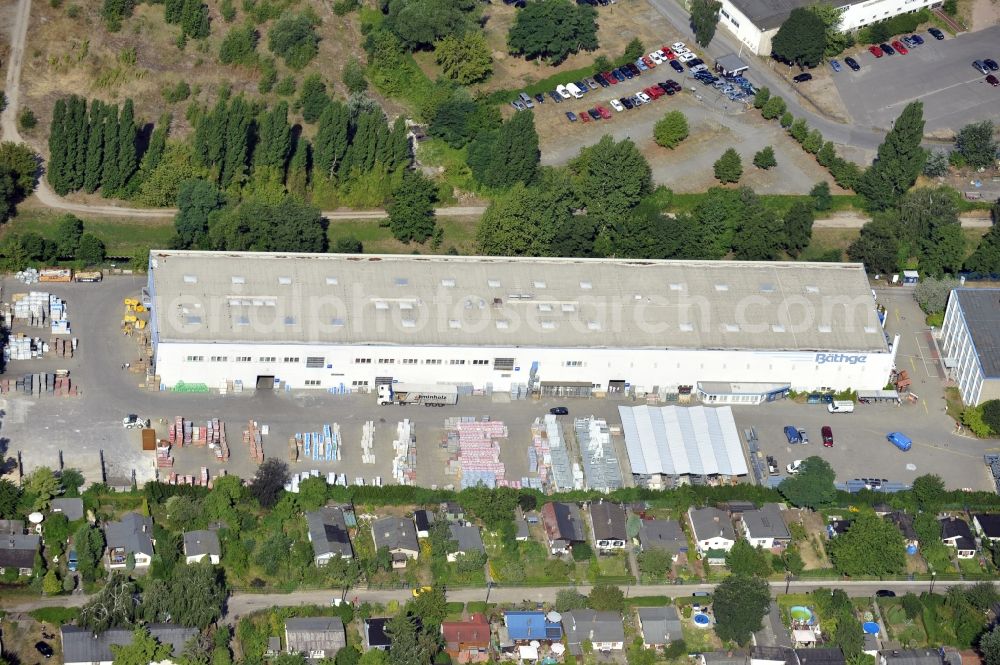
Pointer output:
x,y
722,658
904,522
201,544
563,526
82,646
17,548
764,527
72,508
398,535
713,531
315,638
659,626
910,657
604,630
467,541
327,530
663,534
607,526
133,534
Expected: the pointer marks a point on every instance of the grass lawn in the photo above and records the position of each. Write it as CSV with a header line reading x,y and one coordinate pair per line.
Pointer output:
x,y
699,640
825,242
449,575
529,565
122,237
459,232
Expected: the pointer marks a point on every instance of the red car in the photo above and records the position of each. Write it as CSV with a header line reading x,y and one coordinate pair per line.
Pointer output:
x,y
668,53
827,434
654,91
583,116
875,51
649,61
605,114
610,78
993,80
898,45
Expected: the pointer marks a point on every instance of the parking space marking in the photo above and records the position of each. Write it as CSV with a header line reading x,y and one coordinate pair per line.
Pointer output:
x,y
904,102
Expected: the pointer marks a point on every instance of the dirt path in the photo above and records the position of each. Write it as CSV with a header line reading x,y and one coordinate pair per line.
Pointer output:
x,y
985,13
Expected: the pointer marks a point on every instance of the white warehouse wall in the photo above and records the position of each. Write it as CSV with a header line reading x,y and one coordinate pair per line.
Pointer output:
x,y
641,369
736,22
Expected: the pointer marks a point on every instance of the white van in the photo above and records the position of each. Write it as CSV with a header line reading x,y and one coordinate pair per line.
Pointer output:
x,y
845,406
574,90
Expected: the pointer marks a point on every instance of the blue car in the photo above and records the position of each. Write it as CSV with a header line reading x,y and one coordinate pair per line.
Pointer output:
x,y
617,73
900,440
571,116
626,72
834,65
917,39
641,65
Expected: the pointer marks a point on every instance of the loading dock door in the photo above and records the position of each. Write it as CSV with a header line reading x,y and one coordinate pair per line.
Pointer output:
x,y
616,387
265,382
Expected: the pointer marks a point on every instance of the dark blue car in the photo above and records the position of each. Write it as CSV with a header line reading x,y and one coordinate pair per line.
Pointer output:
x,y
617,73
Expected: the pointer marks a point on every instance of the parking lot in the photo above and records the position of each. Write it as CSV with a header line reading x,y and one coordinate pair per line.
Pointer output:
x,y
80,427
939,73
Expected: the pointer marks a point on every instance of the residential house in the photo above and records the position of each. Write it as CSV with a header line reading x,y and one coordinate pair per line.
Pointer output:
x,y
722,658
910,657
764,527
882,509
987,525
607,526
659,626
327,530
451,511
17,549
525,626
563,526
423,520
467,539
375,636
72,508
663,534
201,544
773,655
82,646
315,637
133,534
904,522
713,533
837,528
604,630
956,533
467,641
399,535
821,656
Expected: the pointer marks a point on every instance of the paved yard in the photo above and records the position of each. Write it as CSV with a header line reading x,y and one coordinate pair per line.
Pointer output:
x,y
940,74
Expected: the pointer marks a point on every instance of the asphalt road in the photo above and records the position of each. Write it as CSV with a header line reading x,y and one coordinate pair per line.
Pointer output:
x,y
939,73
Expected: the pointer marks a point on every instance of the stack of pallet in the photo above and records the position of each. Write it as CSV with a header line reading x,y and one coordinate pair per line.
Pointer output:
x,y
293,449
217,440
53,384
201,480
253,438
368,443
478,458
61,347
163,458
321,446
539,454
404,464
175,432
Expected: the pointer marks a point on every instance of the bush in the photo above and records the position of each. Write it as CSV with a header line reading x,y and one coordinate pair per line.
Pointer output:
x,y
344,7
239,46
773,108
286,86
176,93
787,119
671,129
728,168
764,159
26,119
293,38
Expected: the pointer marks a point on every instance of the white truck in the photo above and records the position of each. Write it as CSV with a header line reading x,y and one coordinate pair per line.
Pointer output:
x,y
410,393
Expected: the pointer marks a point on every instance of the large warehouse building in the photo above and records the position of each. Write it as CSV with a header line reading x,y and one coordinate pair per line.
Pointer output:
x,y
970,342
736,332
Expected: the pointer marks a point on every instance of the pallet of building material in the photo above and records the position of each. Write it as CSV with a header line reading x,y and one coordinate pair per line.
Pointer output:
x,y
293,449
252,437
368,442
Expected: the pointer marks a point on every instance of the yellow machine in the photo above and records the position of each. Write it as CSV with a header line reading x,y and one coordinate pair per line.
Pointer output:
x,y
130,302
129,318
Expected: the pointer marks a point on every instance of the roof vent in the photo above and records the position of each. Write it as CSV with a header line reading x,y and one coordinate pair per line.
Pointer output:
x,y
732,327
454,324
381,304
503,324
539,284
544,307
289,320
593,325
409,323
401,281
812,289
493,283
284,281
721,287
406,305
243,320
548,325
190,279
568,307
450,283
239,279
676,286
586,285
331,281
778,328
870,329
687,327
824,328
767,288
337,323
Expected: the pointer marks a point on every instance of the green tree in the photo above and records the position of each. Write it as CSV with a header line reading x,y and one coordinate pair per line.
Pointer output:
x,y
936,163
113,12
801,39
655,561
353,76
836,39
989,646
348,656
407,647
991,416
89,544
193,596
274,140
196,200
269,482
792,559
194,19
173,11
848,635
239,46
297,180
878,246
144,649
812,487
671,129
26,119
8,196
128,159
92,251
43,486
293,38
420,23
745,559
606,597
928,490
813,142
411,209
986,258
507,156
332,139
10,495
257,226
764,158
55,532
517,223
568,600
976,143
728,168
704,19
740,602
900,160
552,30
68,232
110,180
374,657
820,194
154,153
466,59
612,178
786,119
313,98
760,233
761,97
51,584
871,546
928,220
798,227
113,606
21,164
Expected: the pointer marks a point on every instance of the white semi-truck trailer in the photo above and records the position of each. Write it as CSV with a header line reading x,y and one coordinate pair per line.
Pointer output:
x,y
411,393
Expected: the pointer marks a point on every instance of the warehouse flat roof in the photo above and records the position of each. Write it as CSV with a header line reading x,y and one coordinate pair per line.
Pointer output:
x,y
507,302
769,14
981,311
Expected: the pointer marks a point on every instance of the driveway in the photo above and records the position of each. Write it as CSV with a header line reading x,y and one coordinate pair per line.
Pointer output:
x,y
939,73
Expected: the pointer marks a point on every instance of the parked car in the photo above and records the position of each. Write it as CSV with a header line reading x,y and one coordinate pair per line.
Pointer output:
x,y
885,593
563,91
616,105
803,437
802,78
518,105
643,97
559,411
540,98
700,68
678,46
875,51
526,99
834,65
556,97
627,72
592,83
888,50
772,465
993,80
687,57
991,63
668,53
575,90
584,117
853,64
792,434
582,85
827,433
72,561
610,78
900,440
819,398
649,62
44,649
654,92
898,45
604,113
594,114
981,66
917,39
794,467
632,68
936,34
841,406
626,102
678,67
421,590
601,81
656,57
571,116
641,65
618,75
667,89
674,84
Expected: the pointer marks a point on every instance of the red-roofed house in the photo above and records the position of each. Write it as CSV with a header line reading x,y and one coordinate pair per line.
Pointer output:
x,y
467,641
